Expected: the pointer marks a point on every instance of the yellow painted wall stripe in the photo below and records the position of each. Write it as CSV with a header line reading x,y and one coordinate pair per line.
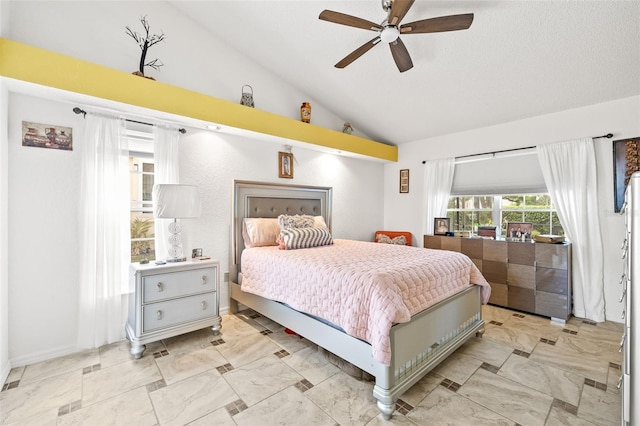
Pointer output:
x,y
27,63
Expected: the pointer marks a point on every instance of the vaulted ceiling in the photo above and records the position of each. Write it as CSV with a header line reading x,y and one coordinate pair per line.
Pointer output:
x,y
518,59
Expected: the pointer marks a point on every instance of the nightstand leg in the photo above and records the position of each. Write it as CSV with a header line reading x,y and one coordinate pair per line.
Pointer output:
x,y
137,350
216,327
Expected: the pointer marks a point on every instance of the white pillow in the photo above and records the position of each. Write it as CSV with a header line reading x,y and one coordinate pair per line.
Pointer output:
x,y
318,222
295,221
301,221
260,231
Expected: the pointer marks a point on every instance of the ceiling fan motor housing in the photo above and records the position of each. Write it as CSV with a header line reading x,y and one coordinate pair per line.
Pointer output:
x,y
389,33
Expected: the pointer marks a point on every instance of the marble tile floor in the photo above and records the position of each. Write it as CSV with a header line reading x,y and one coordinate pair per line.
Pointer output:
x,y
525,370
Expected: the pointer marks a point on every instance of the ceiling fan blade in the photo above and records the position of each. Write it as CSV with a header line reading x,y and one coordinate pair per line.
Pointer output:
x,y
437,25
358,52
399,8
401,55
348,20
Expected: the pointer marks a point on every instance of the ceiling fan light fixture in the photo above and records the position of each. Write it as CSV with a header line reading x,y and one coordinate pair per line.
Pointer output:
x,y
389,34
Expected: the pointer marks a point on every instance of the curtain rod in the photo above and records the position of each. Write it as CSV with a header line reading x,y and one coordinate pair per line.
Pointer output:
x,y
608,136
78,110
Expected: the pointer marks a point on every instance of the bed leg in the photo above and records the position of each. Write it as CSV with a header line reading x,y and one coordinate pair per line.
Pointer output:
x,y
233,306
480,332
386,409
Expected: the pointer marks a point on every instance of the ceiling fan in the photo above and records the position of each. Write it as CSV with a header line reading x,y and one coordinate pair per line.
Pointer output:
x,y
389,30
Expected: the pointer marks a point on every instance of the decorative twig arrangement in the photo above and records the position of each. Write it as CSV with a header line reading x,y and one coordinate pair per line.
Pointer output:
x,y
145,43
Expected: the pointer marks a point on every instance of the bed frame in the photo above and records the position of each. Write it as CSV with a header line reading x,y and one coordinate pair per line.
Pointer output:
x,y
417,346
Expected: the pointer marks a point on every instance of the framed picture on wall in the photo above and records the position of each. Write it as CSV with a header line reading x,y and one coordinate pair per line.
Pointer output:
x,y
49,136
626,160
519,231
404,181
285,165
441,225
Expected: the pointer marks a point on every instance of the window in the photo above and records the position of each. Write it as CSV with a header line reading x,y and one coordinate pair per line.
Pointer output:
x,y
469,212
141,169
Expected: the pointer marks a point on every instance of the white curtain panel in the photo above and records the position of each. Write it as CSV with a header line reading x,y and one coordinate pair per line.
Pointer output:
x,y
438,178
104,231
166,170
569,170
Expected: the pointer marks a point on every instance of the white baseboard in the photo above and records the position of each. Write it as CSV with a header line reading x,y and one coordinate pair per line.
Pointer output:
x,y
4,372
43,356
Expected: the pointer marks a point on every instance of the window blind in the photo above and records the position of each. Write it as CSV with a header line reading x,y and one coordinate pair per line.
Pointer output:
x,y
514,174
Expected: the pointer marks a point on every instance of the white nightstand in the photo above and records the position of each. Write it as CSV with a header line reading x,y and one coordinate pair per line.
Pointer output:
x,y
167,300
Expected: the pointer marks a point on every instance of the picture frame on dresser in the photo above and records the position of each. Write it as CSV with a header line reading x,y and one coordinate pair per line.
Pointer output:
x,y
519,231
441,225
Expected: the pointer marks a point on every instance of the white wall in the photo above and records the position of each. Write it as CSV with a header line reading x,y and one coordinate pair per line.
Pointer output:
x,y
40,288
38,271
4,243
4,262
43,235
193,59
42,204
212,161
404,211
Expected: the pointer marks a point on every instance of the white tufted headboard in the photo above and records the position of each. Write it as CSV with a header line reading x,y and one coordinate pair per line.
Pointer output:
x,y
259,199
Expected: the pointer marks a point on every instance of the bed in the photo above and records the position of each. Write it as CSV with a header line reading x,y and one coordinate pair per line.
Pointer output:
x,y
415,347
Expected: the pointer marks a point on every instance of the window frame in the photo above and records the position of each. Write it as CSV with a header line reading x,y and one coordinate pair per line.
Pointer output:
x,y
498,213
141,148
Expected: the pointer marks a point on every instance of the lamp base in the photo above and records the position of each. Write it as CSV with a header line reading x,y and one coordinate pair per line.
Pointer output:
x,y
176,259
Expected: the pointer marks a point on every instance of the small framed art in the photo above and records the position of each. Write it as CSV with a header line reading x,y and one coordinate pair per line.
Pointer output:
x,y
519,231
626,161
441,225
404,181
47,136
285,165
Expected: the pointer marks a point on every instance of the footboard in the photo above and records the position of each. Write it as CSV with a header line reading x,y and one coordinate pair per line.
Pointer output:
x,y
420,345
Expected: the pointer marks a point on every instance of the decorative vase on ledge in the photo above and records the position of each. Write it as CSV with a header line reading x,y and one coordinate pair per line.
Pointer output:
x,y
305,112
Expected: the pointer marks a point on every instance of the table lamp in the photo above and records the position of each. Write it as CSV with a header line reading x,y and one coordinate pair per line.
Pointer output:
x,y
173,201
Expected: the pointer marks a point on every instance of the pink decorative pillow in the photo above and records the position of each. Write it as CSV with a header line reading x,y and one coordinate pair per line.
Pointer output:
x,y
259,231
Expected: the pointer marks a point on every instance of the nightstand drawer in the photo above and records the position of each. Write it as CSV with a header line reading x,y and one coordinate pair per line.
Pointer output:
x,y
173,312
177,284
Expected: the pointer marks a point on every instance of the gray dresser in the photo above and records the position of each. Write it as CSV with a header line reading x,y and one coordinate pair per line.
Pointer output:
x,y
167,300
530,277
630,380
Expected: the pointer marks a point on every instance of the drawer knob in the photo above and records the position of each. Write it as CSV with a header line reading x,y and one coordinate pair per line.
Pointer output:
x,y
159,314
204,305
204,279
160,287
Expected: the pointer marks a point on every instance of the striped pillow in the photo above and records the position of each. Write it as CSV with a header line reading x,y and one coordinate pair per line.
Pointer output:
x,y
298,238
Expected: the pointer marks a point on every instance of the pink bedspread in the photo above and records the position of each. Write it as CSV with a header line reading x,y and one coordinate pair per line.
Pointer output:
x,y
360,286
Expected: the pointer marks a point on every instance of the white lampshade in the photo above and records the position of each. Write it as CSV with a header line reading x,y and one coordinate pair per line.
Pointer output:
x,y
173,201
